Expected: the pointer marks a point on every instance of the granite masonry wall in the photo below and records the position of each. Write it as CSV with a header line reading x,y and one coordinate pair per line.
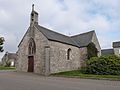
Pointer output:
x,y
39,57
96,42
58,57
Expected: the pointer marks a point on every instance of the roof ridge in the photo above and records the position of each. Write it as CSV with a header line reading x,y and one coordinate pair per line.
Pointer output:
x,y
58,36
75,41
83,33
54,31
117,42
108,49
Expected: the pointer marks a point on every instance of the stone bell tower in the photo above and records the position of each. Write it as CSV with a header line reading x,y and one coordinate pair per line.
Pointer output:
x,y
34,16
33,21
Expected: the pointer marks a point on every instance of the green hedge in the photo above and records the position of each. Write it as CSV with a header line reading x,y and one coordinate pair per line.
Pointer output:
x,y
91,50
104,65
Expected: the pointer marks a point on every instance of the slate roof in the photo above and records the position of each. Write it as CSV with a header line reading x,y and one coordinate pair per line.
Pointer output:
x,y
77,40
80,40
54,36
83,39
116,44
107,51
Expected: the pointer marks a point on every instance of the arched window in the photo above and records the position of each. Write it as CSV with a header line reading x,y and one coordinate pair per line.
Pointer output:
x,y
68,54
32,47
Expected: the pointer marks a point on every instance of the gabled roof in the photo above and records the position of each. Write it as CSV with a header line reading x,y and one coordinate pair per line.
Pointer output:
x,y
116,44
83,39
107,51
54,36
80,40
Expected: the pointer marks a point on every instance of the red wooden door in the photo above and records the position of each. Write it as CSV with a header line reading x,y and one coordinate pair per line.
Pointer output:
x,y
30,64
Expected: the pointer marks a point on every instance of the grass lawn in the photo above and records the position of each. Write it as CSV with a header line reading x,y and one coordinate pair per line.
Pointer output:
x,y
78,74
7,68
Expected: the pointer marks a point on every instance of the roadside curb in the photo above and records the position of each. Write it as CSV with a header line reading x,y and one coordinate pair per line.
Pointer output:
x,y
7,70
109,79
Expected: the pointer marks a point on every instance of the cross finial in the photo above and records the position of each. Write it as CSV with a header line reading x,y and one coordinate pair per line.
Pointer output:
x,y
33,7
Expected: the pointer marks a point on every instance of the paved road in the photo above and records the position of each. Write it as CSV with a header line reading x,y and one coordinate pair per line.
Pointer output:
x,y
27,81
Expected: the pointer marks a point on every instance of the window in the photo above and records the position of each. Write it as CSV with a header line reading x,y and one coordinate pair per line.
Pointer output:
x,y
32,14
68,54
32,47
32,19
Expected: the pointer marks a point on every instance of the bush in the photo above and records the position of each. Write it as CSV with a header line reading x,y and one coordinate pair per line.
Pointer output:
x,y
8,63
92,50
0,63
104,65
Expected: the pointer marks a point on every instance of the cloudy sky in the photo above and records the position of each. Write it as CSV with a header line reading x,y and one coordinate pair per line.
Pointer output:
x,y
68,17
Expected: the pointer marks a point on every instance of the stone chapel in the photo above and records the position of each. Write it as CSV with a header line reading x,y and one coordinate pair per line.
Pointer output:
x,y
44,51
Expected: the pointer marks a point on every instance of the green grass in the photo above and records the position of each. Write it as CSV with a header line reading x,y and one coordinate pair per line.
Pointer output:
x,y
7,68
79,74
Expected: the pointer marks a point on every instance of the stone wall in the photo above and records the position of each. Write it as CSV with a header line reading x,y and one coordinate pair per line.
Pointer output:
x,y
58,57
22,54
41,42
39,62
83,56
117,51
96,42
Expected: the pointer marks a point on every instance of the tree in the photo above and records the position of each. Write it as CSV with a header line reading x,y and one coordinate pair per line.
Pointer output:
x,y
92,50
1,44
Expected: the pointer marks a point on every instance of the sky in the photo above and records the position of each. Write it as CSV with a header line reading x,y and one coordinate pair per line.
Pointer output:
x,y
69,17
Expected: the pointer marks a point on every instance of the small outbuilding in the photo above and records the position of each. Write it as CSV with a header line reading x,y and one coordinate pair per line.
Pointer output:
x,y
9,59
114,51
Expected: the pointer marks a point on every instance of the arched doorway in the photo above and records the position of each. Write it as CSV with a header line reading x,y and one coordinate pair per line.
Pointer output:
x,y
31,52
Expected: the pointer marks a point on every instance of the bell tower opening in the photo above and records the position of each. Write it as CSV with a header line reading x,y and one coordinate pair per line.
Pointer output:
x,y
34,16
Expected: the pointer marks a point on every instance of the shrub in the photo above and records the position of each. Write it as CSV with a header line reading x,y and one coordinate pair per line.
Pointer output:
x,y
8,63
0,63
1,44
92,50
104,65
